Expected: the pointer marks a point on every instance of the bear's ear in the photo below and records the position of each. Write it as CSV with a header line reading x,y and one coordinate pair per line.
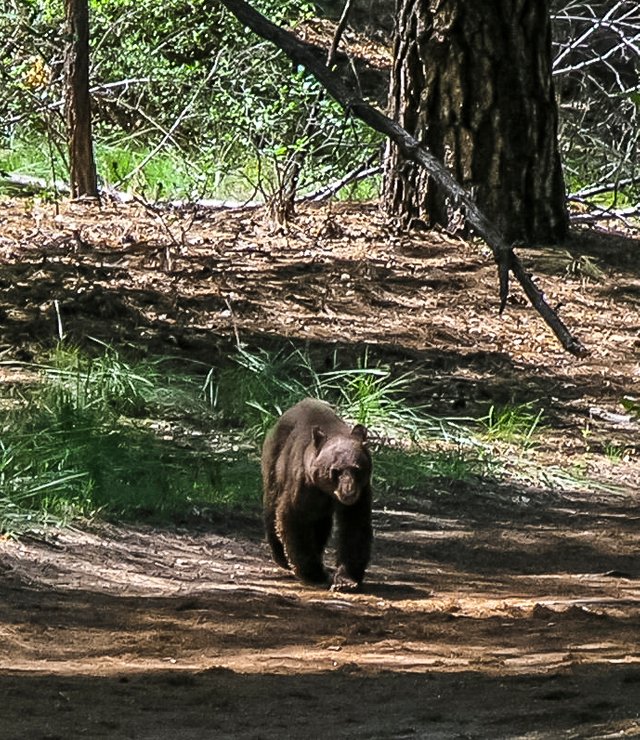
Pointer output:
x,y
318,437
359,432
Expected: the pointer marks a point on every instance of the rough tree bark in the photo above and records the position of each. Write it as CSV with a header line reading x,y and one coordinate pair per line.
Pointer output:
x,y
472,81
301,53
82,168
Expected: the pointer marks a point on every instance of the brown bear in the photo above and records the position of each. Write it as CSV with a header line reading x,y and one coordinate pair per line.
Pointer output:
x,y
314,469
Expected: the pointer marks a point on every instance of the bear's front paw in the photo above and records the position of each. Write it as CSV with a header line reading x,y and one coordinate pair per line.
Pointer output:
x,y
313,576
343,582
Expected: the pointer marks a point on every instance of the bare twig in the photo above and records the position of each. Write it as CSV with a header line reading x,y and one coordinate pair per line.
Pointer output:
x,y
288,186
361,172
595,71
340,29
94,90
183,113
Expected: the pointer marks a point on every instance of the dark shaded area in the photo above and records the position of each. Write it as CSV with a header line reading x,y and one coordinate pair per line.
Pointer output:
x,y
227,704
499,530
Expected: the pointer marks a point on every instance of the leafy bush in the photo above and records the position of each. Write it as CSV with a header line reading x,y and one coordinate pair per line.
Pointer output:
x,y
188,104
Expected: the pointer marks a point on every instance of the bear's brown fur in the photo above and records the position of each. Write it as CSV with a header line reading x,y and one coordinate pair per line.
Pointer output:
x,y
314,469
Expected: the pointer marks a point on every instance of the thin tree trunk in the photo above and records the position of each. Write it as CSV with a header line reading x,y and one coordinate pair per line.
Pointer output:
x,y
82,168
283,207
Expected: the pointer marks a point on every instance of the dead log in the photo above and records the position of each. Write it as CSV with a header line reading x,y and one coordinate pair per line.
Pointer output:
x,y
13,183
302,54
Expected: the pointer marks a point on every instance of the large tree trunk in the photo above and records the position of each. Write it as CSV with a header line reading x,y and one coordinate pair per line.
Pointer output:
x,y
82,168
472,81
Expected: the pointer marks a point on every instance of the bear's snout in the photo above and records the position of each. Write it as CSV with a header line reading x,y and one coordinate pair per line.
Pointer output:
x,y
347,490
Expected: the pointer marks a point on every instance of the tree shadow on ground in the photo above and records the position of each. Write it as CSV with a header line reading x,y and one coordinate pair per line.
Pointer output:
x,y
499,529
593,700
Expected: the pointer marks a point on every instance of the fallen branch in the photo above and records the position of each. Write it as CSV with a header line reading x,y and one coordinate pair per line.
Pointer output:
x,y
27,185
303,54
603,187
604,214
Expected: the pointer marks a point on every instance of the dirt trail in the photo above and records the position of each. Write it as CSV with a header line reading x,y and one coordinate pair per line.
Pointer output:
x,y
482,617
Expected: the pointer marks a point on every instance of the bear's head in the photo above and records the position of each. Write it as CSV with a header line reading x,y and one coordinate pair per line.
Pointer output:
x,y
341,466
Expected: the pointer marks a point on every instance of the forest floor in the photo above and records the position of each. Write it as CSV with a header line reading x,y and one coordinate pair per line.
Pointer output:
x,y
492,609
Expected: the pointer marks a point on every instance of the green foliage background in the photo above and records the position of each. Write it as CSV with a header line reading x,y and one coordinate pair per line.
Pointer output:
x,y
217,111
189,104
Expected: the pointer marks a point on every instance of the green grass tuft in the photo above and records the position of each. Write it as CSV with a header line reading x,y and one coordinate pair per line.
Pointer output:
x,y
514,424
83,442
399,471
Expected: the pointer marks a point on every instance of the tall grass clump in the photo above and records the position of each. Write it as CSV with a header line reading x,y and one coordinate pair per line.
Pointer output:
x,y
513,424
91,438
262,384
77,383
374,397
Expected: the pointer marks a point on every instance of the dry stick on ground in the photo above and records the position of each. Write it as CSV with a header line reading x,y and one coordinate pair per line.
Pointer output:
x,y
303,54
